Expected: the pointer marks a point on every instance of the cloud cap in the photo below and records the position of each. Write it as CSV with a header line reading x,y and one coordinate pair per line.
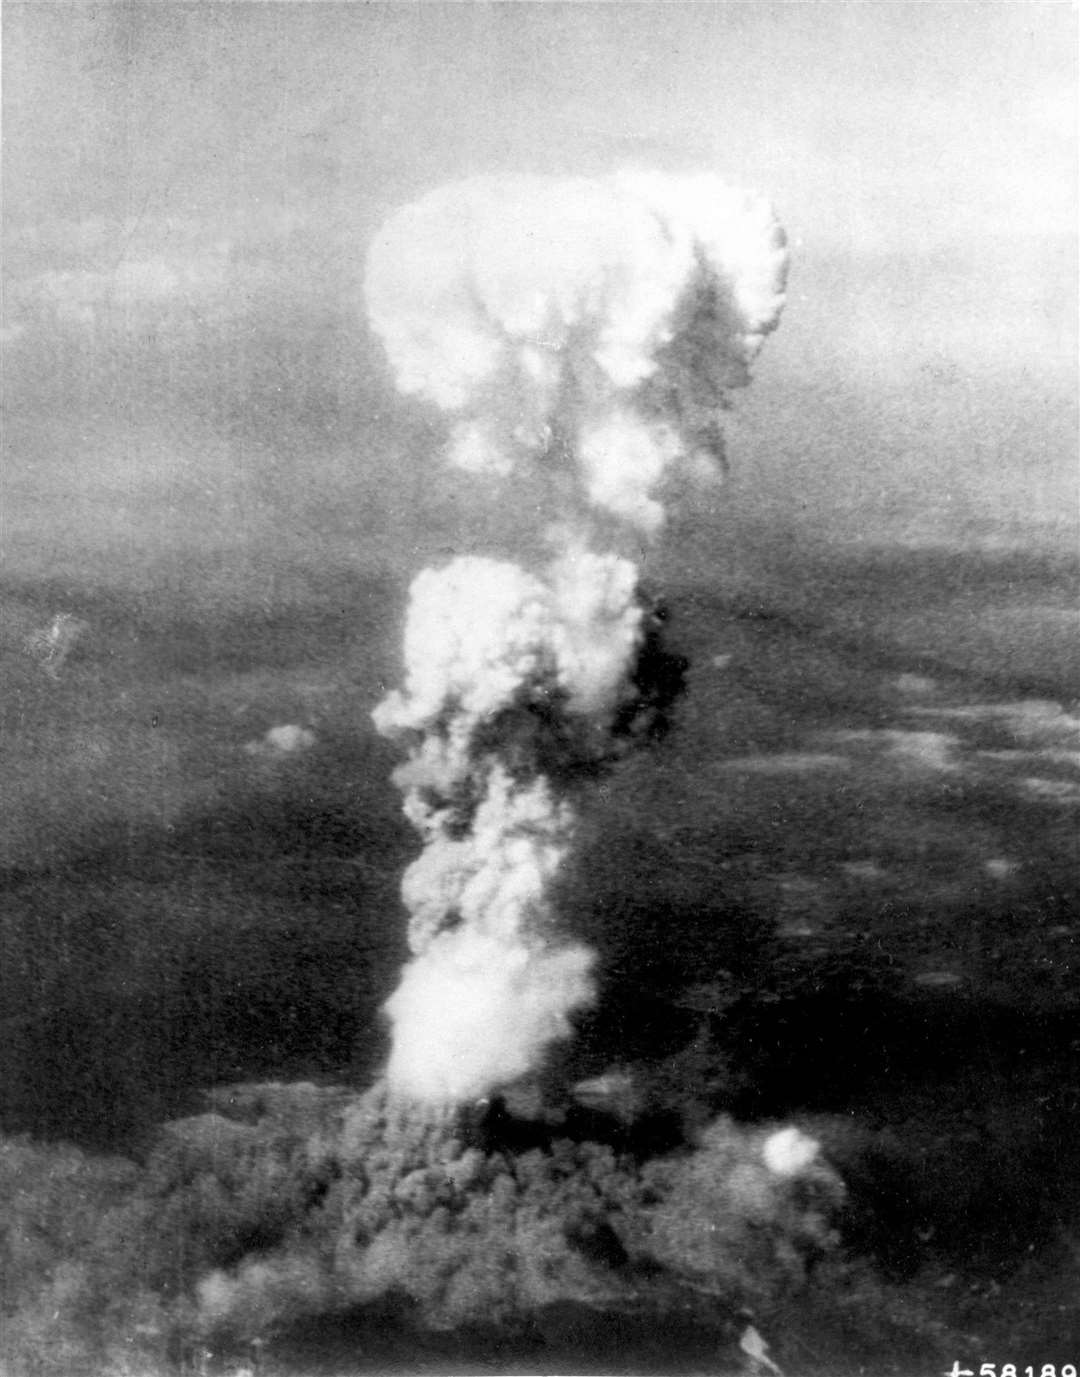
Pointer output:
x,y
595,326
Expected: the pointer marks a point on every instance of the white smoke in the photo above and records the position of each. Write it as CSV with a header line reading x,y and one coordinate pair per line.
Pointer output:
x,y
489,650
467,990
480,629
590,331
596,324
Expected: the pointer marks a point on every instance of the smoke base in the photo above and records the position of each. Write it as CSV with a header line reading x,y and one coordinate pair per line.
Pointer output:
x,y
285,1203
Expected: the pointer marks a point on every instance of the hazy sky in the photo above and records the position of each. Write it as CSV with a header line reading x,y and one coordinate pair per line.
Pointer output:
x,y
188,190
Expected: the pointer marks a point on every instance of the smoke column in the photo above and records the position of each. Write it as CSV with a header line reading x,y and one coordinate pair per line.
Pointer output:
x,y
583,335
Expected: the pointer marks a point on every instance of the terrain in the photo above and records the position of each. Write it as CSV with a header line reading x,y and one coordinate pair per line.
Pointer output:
x,y
841,894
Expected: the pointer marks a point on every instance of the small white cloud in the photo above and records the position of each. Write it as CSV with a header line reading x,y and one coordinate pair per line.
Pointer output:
x,y
914,684
290,739
1000,867
938,980
924,750
789,1151
51,645
757,1350
1051,790
1035,721
863,870
918,750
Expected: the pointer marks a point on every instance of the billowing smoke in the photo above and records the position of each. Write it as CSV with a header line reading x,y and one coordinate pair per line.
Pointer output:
x,y
287,1204
586,334
515,684
591,326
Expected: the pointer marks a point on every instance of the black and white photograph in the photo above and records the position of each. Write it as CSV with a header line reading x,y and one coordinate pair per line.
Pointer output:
x,y
540,664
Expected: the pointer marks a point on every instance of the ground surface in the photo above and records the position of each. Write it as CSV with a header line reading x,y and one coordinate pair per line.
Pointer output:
x,y
843,893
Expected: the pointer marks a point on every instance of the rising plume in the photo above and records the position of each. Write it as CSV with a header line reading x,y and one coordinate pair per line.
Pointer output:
x,y
586,333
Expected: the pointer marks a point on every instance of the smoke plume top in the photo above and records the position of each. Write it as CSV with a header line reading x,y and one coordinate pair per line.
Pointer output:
x,y
590,326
